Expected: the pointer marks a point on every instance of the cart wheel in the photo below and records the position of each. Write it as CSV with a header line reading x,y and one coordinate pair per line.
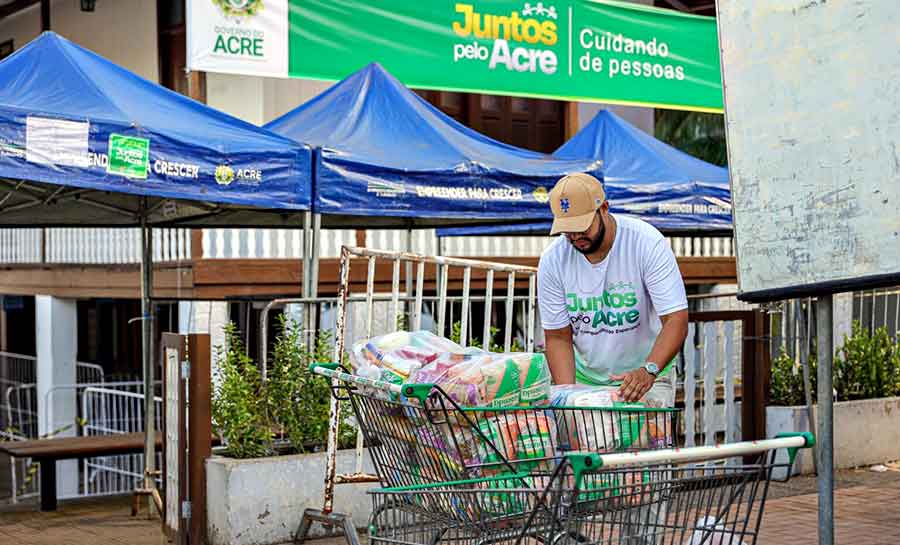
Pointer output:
x,y
568,538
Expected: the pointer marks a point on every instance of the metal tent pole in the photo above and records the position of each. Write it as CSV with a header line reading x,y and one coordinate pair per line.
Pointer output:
x,y
316,244
314,277
825,435
307,276
147,353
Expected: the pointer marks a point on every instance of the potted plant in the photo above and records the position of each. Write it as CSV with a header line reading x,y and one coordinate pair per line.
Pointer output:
x,y
272,462
866,375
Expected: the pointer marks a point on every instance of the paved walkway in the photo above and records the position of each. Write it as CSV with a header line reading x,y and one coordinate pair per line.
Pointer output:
x,y
867,512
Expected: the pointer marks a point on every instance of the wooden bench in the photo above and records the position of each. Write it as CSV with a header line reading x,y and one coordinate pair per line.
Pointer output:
x,y
48,451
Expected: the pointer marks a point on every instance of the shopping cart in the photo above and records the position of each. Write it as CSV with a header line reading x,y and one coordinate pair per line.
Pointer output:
x,y
692,496
417,434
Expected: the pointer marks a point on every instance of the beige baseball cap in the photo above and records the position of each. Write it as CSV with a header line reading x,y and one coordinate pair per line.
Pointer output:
x,y
574,200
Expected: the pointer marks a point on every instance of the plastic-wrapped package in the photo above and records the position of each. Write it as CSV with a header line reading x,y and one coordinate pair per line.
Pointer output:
x,y
536,433
485,379
470,376
395,356
515,436
611,428
583,395
443,458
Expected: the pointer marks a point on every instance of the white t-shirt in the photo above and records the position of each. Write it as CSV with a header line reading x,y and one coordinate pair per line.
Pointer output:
x,y
613,306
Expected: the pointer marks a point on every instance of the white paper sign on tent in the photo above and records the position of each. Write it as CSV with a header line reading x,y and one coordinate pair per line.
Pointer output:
x,y
56,141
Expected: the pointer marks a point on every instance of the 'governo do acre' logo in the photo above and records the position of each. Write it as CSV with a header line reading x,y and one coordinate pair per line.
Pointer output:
x,y
239,8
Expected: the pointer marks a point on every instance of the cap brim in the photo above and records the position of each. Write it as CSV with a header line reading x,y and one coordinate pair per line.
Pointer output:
x,y
575,224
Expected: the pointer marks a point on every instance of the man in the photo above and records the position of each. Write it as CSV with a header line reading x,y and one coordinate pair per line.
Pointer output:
x,y
611,287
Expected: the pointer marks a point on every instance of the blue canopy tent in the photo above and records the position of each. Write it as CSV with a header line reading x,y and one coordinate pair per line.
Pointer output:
x,y
644,178
84,142
386,157
69,117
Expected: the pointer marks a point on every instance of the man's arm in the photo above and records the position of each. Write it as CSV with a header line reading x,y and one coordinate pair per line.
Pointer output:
x,y
671,337
635,384
560,355
555,319
667,294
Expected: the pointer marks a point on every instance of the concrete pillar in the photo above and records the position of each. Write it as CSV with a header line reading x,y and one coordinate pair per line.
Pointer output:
x,y
275,96
230,93
204,317
57,346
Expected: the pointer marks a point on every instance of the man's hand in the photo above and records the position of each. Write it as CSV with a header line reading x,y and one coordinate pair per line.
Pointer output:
x,y
634,384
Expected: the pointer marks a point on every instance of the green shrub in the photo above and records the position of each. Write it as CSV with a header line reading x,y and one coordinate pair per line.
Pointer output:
x,y
787,381
866,366
300,401
239,407
293,403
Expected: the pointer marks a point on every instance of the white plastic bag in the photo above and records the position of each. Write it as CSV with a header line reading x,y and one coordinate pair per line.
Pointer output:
x,y
720,536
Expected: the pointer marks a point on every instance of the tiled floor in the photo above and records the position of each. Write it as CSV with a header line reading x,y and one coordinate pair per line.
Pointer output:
x,y
84,522
864,515
867,512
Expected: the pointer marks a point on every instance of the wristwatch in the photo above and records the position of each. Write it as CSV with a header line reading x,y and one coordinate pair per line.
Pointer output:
x,y
651,368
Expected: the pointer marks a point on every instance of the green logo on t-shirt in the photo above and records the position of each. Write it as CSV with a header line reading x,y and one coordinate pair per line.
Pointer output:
x,y
611,308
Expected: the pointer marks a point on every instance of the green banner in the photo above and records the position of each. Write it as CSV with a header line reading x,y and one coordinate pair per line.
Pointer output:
x,y
580,50
128,156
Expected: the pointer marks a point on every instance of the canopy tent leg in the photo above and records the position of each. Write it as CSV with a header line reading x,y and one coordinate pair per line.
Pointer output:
x,y
314,278
308,333
147,356
316,244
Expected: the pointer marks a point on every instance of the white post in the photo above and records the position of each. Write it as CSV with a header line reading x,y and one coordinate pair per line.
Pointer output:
x,y
57,347
205,317
842,312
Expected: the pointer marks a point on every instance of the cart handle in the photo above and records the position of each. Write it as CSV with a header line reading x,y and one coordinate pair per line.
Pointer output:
x,y
410,390
591,461
331,370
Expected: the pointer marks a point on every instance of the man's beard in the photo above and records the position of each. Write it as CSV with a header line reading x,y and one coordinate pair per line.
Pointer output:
x,y
596,242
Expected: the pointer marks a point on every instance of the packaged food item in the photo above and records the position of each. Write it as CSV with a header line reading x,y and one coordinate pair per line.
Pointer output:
x,y
463,383
443,462
470,376
534,378
501,380
485,379
611,426
400,352
502,498
536,437
496,442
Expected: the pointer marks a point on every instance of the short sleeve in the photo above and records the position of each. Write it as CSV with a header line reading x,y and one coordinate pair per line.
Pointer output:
x,y
551,295
663,279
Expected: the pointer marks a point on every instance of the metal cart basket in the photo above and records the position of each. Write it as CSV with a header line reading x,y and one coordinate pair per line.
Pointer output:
x,y
693,496
417,434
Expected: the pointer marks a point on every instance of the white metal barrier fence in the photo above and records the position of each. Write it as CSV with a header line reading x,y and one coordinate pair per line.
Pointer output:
x,y
18,379
108,411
